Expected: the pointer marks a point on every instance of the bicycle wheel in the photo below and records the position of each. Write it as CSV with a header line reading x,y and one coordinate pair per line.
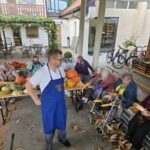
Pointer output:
x,y
129,61
116,63
121,59
109,56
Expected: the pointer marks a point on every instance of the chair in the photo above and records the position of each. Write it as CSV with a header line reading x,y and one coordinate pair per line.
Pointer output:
x,y
25,50
6,52
37,48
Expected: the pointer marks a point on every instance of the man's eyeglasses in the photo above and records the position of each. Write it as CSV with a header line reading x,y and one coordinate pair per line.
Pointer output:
x,y
59,59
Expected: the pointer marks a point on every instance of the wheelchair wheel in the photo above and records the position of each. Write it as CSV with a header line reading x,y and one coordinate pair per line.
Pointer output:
x,y
99,130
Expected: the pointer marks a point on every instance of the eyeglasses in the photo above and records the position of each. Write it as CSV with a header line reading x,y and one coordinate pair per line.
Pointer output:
x,y
59,59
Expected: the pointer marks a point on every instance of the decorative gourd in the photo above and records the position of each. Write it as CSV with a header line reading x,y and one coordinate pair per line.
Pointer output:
x,y
20,80
76,79
6,89
71,83
65,84
71,74
17,93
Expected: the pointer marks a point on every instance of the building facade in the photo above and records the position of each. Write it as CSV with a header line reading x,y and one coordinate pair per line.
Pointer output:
x,y
123,20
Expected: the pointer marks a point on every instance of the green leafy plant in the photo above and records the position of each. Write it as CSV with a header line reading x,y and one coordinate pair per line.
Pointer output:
x,y
19,21
67,55
129,42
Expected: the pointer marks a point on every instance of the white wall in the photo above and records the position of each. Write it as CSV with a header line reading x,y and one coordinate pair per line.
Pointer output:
x,y
9,34
42,39
125,24
144,37
68,29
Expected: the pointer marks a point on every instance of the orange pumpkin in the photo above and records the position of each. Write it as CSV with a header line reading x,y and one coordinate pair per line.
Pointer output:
x,y
20,80
76,79
71,83
71,74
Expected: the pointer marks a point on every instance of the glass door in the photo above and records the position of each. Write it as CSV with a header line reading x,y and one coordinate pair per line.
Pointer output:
x,y
108,34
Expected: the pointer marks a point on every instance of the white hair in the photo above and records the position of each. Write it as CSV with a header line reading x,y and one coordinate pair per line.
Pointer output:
x,y
104,74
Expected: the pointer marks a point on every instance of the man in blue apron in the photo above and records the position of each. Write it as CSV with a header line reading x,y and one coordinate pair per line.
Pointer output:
x,y
53,107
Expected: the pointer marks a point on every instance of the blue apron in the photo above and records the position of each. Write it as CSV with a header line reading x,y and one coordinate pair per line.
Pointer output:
x,y
53,105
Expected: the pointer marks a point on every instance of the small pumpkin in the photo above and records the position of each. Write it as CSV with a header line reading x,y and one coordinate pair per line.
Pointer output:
x,y
65,84
71,74
76,79
71,83
20,80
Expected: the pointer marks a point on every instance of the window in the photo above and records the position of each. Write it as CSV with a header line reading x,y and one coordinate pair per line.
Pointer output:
x,y
32,2
32,32
121,4
108,34
110,3
56,5
148,5
132,5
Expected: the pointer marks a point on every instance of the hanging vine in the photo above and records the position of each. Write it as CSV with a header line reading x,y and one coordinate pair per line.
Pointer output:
x,y
20,21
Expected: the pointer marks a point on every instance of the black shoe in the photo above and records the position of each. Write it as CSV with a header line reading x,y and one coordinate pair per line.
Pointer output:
x,y
66,143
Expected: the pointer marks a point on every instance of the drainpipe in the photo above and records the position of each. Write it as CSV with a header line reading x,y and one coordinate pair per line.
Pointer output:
x,y
98,36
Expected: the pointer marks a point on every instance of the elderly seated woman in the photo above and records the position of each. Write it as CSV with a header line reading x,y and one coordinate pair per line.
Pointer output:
x,y
126,89
104,79
139,125
7,73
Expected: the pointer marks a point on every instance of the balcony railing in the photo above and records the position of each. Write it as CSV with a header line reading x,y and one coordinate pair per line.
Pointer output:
x,y
24,10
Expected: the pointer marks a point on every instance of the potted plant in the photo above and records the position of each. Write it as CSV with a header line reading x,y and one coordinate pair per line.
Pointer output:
x,y
130,43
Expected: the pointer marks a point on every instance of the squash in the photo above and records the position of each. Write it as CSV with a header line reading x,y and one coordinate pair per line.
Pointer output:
x,y
6,89
71,74
71,83
65,84
20,80
76,79
17,93
15,87
4,92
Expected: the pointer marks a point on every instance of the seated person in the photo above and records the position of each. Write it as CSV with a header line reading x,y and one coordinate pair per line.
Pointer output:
x,y
7,73
68,64
105,79
139,125
126,89
36,64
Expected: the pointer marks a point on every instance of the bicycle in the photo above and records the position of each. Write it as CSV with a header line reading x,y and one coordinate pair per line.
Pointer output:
x,y
138,52
117,59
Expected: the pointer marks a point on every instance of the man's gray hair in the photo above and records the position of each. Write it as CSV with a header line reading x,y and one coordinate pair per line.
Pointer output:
x,y
128,75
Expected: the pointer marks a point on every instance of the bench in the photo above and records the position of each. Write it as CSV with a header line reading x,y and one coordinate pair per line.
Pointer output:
x,y
125,118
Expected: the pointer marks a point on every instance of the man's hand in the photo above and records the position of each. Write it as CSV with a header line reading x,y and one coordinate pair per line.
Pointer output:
x,y
37,102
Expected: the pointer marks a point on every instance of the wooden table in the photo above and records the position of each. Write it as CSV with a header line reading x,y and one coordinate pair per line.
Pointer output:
x,y
77,93
4,101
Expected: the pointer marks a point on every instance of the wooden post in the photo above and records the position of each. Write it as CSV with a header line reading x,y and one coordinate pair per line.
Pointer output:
x,y
148,50
98,36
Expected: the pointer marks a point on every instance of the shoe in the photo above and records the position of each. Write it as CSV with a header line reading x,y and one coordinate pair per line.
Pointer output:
x,y
66,143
